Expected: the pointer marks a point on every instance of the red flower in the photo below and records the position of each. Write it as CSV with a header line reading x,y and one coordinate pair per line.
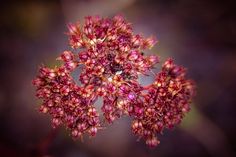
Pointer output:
x,y
112,60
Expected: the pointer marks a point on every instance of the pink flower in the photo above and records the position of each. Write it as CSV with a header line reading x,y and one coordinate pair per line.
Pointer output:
x,y
112,59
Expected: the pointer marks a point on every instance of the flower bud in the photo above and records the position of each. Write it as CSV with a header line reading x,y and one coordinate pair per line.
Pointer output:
x,y
152,142
67,56
73,29
149,42
133,55
93,130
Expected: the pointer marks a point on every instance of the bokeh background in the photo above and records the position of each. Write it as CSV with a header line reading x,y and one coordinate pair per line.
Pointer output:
x,y
198,34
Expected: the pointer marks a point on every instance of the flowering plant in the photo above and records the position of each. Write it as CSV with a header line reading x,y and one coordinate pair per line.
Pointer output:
x,y
112,59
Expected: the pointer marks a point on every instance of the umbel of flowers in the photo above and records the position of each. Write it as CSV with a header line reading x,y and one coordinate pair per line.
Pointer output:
x,y
112,58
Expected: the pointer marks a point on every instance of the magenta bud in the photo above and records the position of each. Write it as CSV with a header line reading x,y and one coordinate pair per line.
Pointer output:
x,y
133,55
67,56
152,142
93,130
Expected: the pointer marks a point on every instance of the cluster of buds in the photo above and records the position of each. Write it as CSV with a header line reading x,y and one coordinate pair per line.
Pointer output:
x,y
112,58
65,101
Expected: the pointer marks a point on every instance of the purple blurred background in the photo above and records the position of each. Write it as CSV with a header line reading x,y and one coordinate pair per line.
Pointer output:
x,y
198,34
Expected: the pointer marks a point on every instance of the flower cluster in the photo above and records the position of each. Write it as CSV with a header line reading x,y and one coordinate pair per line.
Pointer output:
x,y
112,58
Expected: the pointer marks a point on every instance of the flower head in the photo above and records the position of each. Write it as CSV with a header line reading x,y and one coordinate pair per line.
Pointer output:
x,y
112,59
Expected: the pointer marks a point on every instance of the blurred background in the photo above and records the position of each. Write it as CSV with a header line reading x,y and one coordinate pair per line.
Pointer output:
x,y
198,34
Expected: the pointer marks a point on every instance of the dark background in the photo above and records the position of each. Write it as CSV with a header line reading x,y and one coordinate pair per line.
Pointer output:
x,y
199,35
